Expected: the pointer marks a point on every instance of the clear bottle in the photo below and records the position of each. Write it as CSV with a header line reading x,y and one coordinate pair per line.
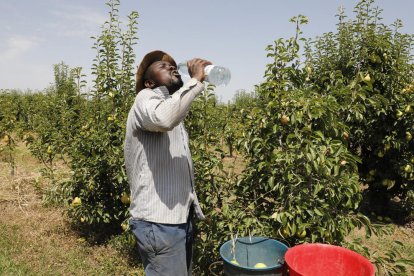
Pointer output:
x,y
216,75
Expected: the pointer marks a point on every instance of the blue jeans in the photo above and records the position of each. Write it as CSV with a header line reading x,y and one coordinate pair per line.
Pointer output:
x,y
165,249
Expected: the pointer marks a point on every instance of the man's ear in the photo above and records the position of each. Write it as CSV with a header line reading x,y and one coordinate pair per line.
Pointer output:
x,y
149,83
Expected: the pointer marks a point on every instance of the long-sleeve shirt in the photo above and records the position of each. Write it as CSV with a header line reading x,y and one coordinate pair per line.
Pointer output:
x,y
157,157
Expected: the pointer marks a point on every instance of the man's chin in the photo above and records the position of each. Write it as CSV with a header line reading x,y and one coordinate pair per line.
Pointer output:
x,y
175,85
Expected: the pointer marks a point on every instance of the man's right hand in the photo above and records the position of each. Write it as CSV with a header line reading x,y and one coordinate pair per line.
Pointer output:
x,y
196,68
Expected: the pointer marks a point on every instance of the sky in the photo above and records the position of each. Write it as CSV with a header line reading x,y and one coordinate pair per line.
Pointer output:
x,y
35,35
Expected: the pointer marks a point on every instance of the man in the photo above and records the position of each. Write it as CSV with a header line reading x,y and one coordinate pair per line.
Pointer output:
x,y
159,166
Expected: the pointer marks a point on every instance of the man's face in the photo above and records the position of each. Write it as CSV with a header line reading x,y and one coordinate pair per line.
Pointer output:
x,y
162,73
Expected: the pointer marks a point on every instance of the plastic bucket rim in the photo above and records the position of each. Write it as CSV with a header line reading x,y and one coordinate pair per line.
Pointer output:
x,y
349,251
249,268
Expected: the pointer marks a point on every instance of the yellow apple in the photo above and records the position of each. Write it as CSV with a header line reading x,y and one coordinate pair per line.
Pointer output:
x,y
125,226
76,202
367,78
260,265
6,139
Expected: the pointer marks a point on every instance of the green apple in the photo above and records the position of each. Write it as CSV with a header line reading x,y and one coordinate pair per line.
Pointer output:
x,y
125,198
125,226
301,234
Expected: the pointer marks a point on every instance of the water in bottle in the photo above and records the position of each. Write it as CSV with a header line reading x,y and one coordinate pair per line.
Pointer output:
x,y
216,75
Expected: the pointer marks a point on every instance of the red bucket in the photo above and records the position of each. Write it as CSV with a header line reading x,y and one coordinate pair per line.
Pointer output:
x,y
324,259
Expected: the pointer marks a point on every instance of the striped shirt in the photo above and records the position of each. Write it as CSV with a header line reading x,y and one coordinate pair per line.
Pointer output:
x,y
157,158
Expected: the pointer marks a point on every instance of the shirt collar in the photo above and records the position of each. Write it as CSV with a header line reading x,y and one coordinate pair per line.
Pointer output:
x,y
162,90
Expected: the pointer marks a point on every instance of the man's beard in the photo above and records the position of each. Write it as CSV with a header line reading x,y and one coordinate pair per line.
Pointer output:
x,y
176,83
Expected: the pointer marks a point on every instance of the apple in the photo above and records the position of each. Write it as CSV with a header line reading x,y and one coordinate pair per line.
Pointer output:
x,y
6,139
370,178
125,226
367,78
408,168
260,265
386,182
284,120
408,109
76,202
399,113
125,198
345,135
301,234
408,136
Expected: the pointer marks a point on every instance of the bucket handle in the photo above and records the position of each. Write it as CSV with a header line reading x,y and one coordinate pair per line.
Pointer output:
x,y
212,265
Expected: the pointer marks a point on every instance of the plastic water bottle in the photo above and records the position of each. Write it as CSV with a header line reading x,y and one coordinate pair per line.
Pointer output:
x,y
216,75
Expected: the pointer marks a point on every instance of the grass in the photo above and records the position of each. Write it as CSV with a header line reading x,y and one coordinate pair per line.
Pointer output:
x,y
9,247
383,245
38,240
